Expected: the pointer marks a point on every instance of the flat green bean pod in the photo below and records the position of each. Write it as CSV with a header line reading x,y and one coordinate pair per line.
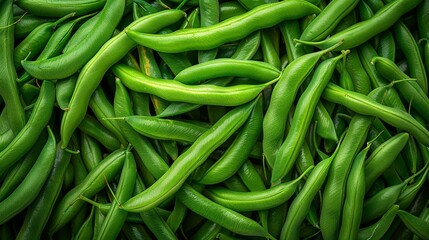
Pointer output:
x,y
59,8
231,29
175,91
255,200
417,225
379,228
223,216
188,161
362,31
365,105
225,67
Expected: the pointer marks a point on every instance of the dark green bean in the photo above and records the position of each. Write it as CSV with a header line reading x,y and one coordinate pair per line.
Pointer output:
x,y
417,225
59,8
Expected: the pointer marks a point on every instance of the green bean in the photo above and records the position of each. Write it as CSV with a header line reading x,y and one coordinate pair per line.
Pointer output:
x,y
150,158
26,138
238,151
70,205
325,126
387,46
327,20
230,9
379,228
230,219
93,128
208,230
116,217
175,219
86,231
362,31
199,94
365,105
366,54
231,29
39,211
274,124
291,30
289,150
59,8
269,52
8,87
355,193
24,194
226,67
417,225
91,75
25,24
360,78
209,15
69,62
383,157
411,191
300,206
189,160
408,46
255,200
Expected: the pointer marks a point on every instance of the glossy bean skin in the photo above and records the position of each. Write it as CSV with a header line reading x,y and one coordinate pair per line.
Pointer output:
x,y
300,206
408,46
289,150
91,75
382,157
25,139
238,151
93,128
8,87
39,211
231,29
353,203
166,129
255,200
70,204
362,31
410,90
150,158
275,118
116,217
198,94
59,8
327,20
379,228
417,225
364,105
230,219
30,186
69,62
183,166
225,67
335,187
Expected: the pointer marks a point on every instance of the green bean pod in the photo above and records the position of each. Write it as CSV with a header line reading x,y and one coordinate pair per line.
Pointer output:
x,y
353,203
91,75
238,151
58,8
410,90
70,204
230,9
275,118
255,200
29,188
408,45
362,31
325,126
189,160
93,128
379,228
303,114
225,67
70,62
172,90
300,205
365,105
387,46
417,225
327,20
86,231
39,211
383,157
116,217
150,158
166,129
229,30
8,88
229,219
26,138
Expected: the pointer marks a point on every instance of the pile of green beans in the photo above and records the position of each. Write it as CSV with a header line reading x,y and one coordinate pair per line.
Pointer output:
x,y
207,119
